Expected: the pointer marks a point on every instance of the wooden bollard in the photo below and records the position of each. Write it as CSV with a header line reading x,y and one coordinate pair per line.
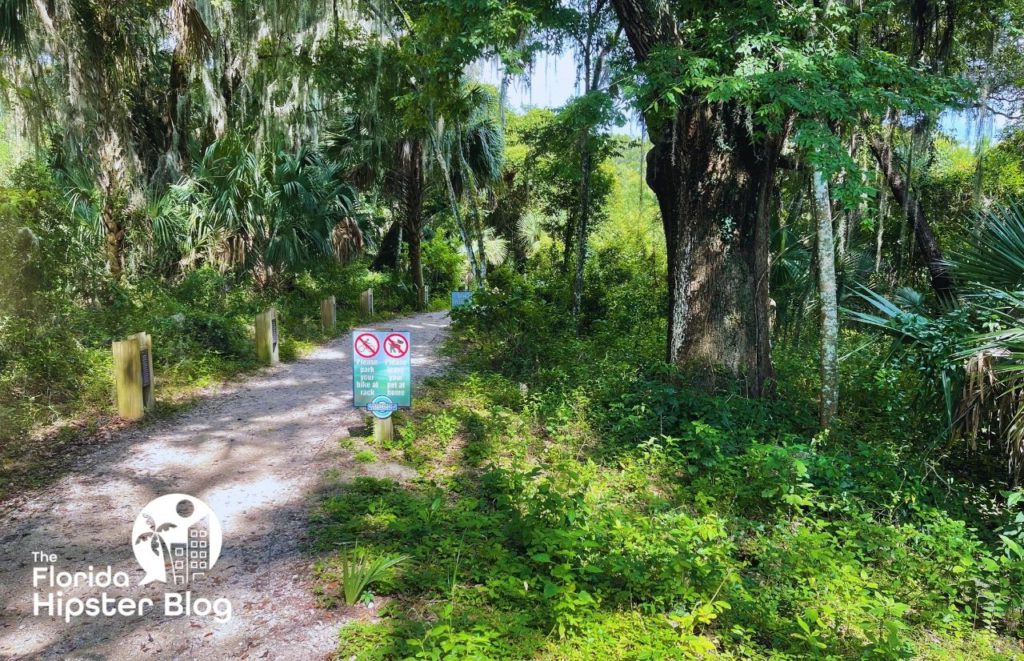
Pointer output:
x,y
383,430
267,337
328,313
133,375
366,303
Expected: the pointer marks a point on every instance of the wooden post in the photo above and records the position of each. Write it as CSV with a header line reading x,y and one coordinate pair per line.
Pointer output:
x,y
146,365
366,303
383,430
267,337
328,313
128,379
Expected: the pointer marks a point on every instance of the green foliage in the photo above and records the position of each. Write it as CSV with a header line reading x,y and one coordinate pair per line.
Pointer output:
x,y
260,213
972,353
578,500
552,167
59,313
365,456
443,264
45,263
359,570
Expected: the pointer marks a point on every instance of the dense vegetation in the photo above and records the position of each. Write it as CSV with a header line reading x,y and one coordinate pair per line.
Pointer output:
x,y
577,500
749,384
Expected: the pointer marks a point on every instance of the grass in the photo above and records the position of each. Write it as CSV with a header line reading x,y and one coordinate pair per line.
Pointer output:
x,y
535,531
365,456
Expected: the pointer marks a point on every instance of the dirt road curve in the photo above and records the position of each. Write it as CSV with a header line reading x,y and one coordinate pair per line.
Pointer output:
x,y
255,452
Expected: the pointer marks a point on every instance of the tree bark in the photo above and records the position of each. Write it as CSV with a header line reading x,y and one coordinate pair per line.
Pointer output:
x,y
416,266
474,206
829,404
582,229
413,211
113,245
713,187
938,272
713,184
453,203
390,247
880,229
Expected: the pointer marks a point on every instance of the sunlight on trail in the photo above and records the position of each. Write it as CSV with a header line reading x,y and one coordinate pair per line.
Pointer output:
x,y
255,454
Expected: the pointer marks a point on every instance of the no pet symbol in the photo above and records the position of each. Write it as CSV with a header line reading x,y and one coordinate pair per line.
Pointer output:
x,y
395,345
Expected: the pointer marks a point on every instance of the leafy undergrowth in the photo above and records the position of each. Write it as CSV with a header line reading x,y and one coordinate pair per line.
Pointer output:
x,y
598,509
523,546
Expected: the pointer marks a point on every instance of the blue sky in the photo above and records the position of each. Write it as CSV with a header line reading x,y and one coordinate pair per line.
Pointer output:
x,y
552,82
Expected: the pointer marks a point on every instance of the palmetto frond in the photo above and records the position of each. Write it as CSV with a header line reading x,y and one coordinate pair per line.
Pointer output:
x,y
995,254
277,209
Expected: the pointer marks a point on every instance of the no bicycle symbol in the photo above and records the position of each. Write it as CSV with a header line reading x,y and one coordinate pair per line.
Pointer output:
x,y
367,345
395,345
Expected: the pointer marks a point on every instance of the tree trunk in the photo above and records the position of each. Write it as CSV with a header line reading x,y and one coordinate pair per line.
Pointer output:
x,y
941,279
390,247
453,203
880,229
412,204
113,245
479,223
416,266
110,177
582,229
713,187
829,304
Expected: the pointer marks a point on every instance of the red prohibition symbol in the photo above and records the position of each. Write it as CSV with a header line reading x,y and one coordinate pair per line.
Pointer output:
x,y
395,345
367,345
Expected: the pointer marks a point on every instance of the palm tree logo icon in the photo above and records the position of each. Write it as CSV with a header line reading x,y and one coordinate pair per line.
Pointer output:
x,y
155,536
176,536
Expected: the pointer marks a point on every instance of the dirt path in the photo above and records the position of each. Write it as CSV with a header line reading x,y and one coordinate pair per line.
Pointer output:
x,y
255,452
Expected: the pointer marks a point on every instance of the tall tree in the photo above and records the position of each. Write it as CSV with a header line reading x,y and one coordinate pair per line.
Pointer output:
x,y
595,36
829,305
713,179
723,88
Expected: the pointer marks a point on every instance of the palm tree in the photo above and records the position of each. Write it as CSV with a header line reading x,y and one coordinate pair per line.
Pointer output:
x,y
474,151
157,542
382,151
124,91
266,211
976,350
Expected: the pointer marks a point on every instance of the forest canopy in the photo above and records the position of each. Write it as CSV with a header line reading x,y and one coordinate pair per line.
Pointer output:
x,y
763,263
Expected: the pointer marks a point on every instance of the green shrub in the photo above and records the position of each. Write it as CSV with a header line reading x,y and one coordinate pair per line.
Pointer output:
x,y
586,502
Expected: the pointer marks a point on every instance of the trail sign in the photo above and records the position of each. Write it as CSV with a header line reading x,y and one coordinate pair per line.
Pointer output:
x,y
381,371
460,298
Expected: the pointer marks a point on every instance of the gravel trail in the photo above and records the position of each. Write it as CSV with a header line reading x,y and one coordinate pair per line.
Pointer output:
x,y
256,452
